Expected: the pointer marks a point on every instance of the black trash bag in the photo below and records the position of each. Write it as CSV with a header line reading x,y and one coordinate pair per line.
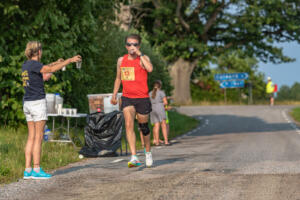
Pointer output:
x,y
103,134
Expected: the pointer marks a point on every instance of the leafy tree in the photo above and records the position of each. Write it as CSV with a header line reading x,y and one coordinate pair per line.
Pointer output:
x,y
284,93
289,93
230,62
295,91
65,28
188,33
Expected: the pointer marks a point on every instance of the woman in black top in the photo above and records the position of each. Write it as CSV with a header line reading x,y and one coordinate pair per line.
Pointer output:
x,y
33,75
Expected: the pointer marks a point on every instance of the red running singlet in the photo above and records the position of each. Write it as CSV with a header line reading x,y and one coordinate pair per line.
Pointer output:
x,y
134,78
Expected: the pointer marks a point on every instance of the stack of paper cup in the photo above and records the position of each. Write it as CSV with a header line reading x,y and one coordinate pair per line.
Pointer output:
x,y
58,108
74,111
63,111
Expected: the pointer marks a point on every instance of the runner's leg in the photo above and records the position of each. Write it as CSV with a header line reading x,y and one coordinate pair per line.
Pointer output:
x,y
156,133
164,131
37,145
144,119
129,113
29,144
142,139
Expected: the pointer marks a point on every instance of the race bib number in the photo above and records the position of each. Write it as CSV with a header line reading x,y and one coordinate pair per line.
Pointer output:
x,y
127,73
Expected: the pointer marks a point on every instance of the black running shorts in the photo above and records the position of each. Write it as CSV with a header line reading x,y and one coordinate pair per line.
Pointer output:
x,y
141,105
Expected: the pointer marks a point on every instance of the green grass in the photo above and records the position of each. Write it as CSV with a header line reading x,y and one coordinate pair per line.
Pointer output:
x,y
12,159
54,155
295,113
244,102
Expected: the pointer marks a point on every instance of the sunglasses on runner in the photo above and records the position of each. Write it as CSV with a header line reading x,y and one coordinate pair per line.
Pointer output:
x,y
132,44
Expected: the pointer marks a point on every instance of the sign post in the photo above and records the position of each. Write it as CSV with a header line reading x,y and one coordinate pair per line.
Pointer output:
x,y
232,80
232,76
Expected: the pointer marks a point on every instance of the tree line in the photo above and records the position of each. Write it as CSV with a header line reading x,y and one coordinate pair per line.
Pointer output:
x,y
182,37
290,93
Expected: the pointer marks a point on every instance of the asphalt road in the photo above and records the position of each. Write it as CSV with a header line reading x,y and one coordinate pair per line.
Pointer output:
x,y
237,152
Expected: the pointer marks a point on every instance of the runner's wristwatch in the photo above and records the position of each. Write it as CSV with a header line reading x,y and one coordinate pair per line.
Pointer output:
x,y
141,54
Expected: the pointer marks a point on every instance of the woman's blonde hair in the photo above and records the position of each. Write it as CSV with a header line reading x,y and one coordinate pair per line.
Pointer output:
x,y
32,49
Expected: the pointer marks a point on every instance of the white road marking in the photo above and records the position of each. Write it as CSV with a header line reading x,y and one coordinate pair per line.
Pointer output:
x,y
118,160
194,130
293,125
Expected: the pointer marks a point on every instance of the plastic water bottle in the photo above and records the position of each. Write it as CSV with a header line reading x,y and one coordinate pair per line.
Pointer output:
x,y
47,133
58,101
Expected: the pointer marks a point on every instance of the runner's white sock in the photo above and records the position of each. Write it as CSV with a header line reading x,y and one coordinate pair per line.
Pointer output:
x,y
37,170
134,157
28,169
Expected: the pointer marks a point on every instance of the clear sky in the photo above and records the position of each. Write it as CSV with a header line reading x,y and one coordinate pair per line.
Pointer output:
x,y
286,73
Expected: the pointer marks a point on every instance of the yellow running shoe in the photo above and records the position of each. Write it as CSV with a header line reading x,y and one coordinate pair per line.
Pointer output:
x,y
134,163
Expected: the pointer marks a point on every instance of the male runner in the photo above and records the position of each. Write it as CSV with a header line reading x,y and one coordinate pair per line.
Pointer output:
x,y
132,72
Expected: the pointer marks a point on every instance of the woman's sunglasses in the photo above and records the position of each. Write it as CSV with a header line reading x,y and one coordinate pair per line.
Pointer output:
x,y
132,44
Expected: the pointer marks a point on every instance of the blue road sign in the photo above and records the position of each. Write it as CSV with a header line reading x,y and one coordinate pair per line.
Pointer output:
x,y
232,84
231,76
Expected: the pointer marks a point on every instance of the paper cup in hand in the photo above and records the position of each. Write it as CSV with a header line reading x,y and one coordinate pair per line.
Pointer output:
x,y
78,64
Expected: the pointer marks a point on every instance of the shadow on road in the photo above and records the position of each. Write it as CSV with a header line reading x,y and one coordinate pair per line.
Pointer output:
x,y
228,124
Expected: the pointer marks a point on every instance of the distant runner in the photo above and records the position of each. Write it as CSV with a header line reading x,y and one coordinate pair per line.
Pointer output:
x,y
270,90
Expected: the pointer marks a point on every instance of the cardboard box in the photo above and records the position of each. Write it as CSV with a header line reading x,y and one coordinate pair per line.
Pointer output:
x,y
101,103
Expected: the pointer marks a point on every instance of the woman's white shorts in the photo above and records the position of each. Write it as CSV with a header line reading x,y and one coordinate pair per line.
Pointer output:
x,y
35,110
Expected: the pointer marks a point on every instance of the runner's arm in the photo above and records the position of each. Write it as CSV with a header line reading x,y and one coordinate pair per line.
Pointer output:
x,y
165,101
146,63
56,62
118,79
58,66
46,76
